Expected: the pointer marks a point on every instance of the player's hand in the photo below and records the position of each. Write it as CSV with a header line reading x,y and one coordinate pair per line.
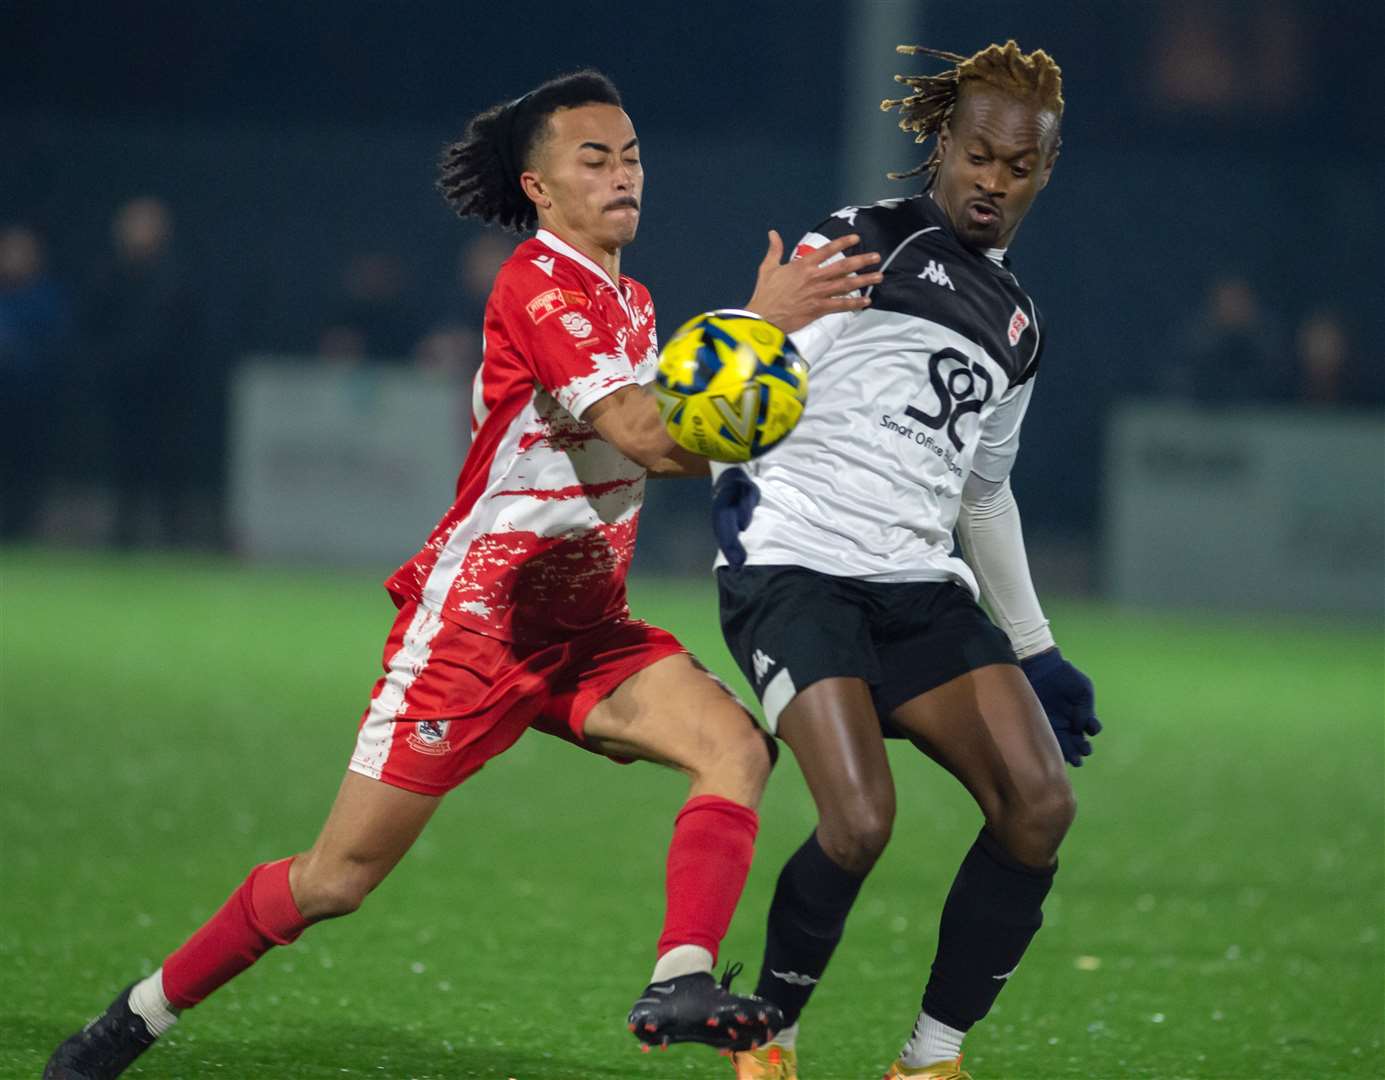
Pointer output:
x,y
734,498
792,294
1069,700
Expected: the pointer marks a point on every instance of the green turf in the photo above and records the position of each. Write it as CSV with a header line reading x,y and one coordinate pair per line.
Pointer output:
x,y
168,723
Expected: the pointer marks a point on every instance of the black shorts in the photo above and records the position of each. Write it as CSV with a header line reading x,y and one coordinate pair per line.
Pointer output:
x,y
788,627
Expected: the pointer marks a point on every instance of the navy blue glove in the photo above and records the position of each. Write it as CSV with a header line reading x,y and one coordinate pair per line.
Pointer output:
x,y
1068,700
734,498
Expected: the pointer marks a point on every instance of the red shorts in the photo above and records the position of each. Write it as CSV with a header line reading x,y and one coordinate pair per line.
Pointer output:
x,y
451,699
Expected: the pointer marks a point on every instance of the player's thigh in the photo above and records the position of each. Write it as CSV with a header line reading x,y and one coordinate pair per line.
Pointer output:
x,y
988,729
834,733
369,829
674,712
789,628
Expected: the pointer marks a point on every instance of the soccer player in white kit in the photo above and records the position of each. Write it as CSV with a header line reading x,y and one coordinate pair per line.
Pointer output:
x,y
843,600
513,614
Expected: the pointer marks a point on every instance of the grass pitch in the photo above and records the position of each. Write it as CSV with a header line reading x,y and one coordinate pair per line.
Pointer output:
x,y
168,723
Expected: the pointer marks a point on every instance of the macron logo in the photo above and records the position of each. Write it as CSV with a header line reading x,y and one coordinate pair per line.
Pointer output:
x,y
937,274
761,662
545,263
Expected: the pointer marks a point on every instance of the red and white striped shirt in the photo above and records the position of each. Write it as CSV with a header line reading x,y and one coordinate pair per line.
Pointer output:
x,y
538,543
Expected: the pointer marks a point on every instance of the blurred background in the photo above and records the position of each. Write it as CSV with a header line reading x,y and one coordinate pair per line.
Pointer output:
x,y
235,316
237,333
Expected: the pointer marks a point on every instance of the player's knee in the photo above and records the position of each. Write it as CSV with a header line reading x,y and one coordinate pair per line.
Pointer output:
x,y
1037,824
737,748
855,838
329,891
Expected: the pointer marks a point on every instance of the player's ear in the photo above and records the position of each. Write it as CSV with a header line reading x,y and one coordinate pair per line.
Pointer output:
x,y
944,136
534,188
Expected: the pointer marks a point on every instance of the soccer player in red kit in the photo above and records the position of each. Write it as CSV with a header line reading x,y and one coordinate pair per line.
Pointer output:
x,y
514,615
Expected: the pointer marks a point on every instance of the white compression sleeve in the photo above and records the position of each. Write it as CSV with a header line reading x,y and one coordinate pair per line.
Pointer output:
x,y
993,541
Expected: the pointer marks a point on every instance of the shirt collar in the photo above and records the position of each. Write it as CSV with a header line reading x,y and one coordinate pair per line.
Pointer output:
x,y
562,247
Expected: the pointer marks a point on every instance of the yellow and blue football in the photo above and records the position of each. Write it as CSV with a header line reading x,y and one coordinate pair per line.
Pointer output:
x,y
730,385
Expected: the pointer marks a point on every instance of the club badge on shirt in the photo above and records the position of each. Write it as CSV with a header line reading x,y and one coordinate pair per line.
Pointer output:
x,y
577,325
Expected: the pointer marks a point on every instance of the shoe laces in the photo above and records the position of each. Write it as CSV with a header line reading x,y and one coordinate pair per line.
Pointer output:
x,y
730,972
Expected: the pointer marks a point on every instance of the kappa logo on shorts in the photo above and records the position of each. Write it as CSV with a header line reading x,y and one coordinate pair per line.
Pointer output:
x,y
762,662
430,737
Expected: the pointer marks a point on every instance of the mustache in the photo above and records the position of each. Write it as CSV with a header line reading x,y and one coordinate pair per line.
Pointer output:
x,y
624,200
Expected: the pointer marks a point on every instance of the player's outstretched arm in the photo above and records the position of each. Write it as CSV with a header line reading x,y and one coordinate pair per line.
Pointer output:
x,y
993,541
629,420
792,294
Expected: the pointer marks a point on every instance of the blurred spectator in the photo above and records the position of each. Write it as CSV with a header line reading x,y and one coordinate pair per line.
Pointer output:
x,y
376,307
34,327
451,349
341,344
144,326
1228,58
1327,371
477,264
453,346
1231,354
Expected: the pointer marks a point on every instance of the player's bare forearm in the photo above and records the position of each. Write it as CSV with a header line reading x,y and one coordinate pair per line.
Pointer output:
x,y
793,294
629,420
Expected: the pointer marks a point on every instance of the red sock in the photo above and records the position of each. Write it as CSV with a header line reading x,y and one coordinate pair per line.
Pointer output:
x,y
259,914
713,841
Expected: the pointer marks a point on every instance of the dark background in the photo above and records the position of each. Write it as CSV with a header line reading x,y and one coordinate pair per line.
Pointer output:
x,y
1201,142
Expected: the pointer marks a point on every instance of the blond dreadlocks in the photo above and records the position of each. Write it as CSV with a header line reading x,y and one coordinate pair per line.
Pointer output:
x,y
1032,78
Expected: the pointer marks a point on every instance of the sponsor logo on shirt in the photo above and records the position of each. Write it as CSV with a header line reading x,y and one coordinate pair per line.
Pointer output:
x,y
1019,322
545,304
554,300
961,388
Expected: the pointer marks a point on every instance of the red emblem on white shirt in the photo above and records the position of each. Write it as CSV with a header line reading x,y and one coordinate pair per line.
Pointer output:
x,y
1019,322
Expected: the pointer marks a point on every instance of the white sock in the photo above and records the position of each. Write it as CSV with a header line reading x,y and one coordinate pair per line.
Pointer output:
x,y
787,1037
931,1042
148,1002
681,960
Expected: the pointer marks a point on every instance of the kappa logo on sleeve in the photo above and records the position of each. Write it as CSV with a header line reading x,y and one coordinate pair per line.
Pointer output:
x,y
545,304
1019,323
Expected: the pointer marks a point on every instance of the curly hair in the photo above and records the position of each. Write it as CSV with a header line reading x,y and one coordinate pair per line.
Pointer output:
x,y
479,174
1033,78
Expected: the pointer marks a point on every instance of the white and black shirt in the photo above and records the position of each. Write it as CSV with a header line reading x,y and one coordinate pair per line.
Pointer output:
x,y
907,399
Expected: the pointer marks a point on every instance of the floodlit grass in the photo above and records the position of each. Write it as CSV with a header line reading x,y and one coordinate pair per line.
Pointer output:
x,y
167,723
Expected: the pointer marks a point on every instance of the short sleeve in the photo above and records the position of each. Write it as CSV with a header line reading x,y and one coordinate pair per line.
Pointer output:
x,y
567,344
813,341
1000,436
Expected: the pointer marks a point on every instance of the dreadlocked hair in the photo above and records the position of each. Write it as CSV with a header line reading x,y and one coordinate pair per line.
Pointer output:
x,y
479,175
1032,78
